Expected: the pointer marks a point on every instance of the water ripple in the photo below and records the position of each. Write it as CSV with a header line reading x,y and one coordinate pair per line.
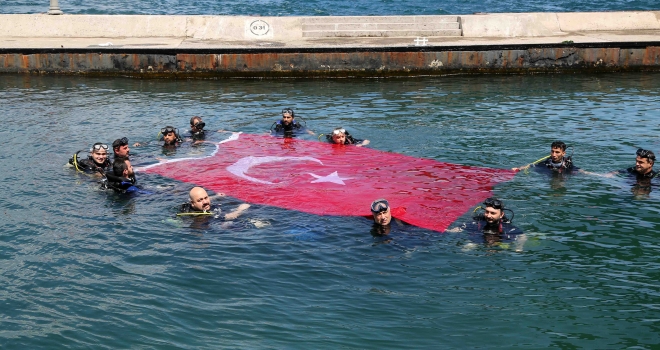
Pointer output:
x,y
84,268
325,8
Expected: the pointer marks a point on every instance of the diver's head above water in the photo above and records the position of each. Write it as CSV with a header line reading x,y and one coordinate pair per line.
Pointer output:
x,y
120,148
196,125
99,153
339,136
380,209
199,199
557,151
493,211
287,117
644,161
122,167
170,135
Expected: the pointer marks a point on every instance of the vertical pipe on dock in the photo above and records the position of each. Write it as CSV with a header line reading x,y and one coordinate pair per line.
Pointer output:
x,y
54,8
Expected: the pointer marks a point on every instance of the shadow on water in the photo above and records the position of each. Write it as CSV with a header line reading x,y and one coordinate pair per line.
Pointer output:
x,y
82,267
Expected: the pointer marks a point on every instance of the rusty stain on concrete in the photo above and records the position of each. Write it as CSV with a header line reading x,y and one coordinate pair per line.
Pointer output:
x,y
334,64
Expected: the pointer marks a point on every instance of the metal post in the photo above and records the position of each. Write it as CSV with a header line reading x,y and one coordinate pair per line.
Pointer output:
x,y
54,8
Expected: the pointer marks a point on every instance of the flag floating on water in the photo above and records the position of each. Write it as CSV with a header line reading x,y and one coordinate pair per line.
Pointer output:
x,y
326,179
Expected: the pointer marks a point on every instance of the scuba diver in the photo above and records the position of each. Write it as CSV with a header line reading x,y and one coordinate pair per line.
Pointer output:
x,y
170,136
288,126
556,162
96,162
196,128
642,172
381,214
340,136
122,179
200,204
643,168
493,220
120,148
380,210
387,229
493,227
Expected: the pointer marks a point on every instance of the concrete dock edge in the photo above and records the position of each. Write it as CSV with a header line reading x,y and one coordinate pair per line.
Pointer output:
x,y
243,46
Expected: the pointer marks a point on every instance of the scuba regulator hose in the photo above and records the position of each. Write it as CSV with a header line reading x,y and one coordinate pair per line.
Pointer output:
x,y
194,214
74,161
545,158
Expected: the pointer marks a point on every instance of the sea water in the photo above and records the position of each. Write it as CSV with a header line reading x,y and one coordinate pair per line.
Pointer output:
x,y
323,8
84,268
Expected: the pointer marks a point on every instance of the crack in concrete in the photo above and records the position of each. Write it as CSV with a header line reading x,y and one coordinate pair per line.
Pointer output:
x,y
548,59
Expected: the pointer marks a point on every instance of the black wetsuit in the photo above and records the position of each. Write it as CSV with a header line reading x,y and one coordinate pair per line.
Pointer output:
x,y
491,234
186,208
350,140
564,167
643,182
633,172
202,221
381,230
196,136
288,130
90,166
120,184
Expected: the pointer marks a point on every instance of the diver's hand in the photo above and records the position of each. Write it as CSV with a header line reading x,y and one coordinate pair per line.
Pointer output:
x,y
236,213
524,167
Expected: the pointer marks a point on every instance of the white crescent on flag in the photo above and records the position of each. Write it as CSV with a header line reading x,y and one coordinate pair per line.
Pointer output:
x,y
244,164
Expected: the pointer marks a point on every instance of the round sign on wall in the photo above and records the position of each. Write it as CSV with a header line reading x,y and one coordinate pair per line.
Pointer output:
x,y
259,27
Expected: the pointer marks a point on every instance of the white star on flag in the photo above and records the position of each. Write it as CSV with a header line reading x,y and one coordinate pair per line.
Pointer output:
x,y
334,178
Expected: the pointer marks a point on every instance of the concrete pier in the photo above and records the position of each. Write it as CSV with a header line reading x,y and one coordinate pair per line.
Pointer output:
x,y
242,46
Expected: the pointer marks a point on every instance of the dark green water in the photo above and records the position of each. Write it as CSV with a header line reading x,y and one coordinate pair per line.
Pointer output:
x,y
81,268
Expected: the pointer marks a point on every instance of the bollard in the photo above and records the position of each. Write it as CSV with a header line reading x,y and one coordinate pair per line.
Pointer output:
x,y
54,8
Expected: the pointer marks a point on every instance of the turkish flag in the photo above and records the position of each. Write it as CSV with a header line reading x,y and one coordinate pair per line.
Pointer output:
x,y
327,179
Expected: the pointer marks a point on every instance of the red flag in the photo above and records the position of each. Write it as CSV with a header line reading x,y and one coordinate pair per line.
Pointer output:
x,y
326,179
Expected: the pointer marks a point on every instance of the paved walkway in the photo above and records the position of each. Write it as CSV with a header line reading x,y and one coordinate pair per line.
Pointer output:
x,y
312,43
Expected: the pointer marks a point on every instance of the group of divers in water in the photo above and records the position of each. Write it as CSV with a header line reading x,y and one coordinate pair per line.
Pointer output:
x,y
490,219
